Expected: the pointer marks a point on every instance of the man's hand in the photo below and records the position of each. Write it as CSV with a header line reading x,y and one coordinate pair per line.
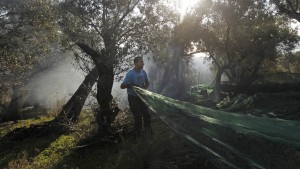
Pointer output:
x,y
129,85
125,85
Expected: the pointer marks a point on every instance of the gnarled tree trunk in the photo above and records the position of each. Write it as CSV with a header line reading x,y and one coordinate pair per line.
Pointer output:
x,y
71,110
106,113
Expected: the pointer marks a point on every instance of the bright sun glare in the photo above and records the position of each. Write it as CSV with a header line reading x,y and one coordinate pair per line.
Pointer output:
x,y
186,4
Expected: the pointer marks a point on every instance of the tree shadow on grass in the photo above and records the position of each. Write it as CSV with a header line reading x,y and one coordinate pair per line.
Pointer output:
x,y
163,149
30,141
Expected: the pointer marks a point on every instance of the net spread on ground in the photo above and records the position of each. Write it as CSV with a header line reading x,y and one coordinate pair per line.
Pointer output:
x,y
230,140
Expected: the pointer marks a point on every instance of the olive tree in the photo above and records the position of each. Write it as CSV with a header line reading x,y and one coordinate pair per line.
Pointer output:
x,y
239,36
111,32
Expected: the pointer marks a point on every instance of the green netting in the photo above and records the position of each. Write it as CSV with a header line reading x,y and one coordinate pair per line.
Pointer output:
x,y
230,140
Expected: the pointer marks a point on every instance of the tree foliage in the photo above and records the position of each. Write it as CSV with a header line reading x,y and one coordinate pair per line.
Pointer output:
x,y
27,31
291,8
112,32
240,36
120,29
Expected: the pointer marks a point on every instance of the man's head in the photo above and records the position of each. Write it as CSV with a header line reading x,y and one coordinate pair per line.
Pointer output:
x,y
138,63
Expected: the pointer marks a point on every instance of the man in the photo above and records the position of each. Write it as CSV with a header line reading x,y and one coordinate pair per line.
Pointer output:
x,y
138,77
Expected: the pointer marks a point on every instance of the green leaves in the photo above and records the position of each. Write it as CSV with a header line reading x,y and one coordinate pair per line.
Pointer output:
x,y
28,30
239,35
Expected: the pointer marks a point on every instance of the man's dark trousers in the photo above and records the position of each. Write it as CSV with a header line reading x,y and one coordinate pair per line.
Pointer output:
x,y
140,113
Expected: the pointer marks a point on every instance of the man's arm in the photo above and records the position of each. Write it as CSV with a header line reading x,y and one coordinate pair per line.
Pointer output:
x,y
125,85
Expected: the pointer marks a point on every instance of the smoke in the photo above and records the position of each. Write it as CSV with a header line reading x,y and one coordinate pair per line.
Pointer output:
x,y
174,77
60,80
164,78
55,84
120,95
201,65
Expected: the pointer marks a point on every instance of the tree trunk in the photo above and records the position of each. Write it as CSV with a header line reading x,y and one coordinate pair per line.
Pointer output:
x,y
173,83
165,78
71,110
14,110
180,81
106,113
217,87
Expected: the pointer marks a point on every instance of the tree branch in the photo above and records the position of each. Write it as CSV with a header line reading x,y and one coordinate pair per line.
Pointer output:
x,y
126,13
289,3
288,10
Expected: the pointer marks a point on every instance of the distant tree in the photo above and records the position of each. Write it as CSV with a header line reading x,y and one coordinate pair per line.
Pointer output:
x,y
287,63
172,73
239,36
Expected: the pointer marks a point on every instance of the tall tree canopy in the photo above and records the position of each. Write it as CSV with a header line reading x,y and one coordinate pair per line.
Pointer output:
x,y
111,31
239,36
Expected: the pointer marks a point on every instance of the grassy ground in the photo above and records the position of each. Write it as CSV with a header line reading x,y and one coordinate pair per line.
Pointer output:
x,y
82,149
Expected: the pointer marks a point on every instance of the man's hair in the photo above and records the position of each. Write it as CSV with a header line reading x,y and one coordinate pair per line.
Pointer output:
x,y
136,59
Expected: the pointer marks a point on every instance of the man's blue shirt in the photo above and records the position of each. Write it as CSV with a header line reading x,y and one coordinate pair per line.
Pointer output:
x,y
137,79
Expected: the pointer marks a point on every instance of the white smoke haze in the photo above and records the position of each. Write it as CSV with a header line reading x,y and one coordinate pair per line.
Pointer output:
x,y
120,95
204,75
61,80
57,83
199,64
